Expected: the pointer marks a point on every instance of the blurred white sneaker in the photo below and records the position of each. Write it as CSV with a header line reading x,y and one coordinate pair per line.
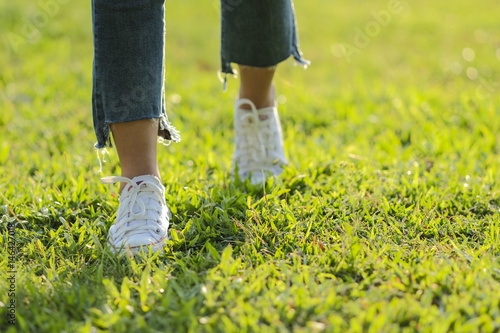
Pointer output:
x,y
258,149
143,217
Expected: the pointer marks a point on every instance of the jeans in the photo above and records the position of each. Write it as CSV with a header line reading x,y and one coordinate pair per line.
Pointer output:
x,y
129,54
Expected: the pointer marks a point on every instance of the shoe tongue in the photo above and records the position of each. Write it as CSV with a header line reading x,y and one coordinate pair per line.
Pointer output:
x,y
266,109
139,179
144,178
264,113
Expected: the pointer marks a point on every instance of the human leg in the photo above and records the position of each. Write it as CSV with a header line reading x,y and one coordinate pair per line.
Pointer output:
x,y
128,68
128,102
257,35
136,145
256,84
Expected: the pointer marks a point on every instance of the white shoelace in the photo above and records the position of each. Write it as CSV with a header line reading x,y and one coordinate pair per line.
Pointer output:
x,y
256,140
129,219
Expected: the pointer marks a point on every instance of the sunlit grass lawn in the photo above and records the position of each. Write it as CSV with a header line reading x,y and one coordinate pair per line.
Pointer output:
x,y
386,220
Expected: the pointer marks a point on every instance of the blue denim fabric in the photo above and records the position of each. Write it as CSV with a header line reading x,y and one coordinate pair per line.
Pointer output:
x,y
258,33
129,56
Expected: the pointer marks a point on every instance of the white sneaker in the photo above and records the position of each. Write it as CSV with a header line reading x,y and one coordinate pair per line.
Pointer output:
x,y
143,216
258,150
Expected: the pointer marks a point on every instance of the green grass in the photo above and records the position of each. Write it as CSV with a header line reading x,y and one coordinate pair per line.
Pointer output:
x,y
387,219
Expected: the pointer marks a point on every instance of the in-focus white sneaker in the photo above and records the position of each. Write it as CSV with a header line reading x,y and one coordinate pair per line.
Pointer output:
x,y
258,149
143,217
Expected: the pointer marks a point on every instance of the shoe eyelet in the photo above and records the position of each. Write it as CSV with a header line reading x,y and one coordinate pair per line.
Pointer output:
x,y
157,231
